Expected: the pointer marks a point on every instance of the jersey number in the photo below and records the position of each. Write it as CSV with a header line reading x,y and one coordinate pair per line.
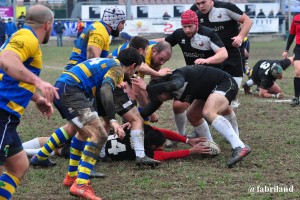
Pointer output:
x,y
266,67
116,147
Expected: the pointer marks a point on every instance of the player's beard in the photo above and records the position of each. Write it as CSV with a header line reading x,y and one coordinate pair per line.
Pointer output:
x,y
47,36
115,33
192,34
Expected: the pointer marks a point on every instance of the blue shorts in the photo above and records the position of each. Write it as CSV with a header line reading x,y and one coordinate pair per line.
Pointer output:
x,y
10,142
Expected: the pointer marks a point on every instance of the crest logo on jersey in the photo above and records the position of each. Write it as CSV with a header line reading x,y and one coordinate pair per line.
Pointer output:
x,y
201,44
201,20
220,15
17,44
183,41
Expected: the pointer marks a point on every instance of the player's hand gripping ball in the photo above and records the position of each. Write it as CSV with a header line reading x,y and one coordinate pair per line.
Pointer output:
x,y
214,148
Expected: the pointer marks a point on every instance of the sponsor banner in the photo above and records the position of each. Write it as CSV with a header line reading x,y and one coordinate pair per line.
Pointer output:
x,y
265,25
6,12
146,26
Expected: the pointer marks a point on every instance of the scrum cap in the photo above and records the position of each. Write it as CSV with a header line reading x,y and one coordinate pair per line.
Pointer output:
x,y
189,17
113,16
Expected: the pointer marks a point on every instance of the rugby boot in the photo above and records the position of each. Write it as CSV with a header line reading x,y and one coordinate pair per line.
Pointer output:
x,y
84,191
95,174
246,89
238,154
147,161
34,161
295,102
68,181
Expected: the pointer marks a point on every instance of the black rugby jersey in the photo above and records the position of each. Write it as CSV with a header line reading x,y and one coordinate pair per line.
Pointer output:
x,y
203,44
223,19
261,74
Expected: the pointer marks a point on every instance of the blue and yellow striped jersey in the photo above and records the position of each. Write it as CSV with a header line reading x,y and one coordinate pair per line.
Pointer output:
x,y
94,35
15,95
116,52
148,57
91,73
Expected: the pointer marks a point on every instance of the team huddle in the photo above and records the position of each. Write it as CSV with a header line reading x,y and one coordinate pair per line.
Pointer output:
x,y
96,85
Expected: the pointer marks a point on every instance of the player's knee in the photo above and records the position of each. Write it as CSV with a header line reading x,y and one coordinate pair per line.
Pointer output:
x,y
208,115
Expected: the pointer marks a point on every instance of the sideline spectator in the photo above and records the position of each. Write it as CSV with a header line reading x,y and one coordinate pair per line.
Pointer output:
x,y
21,20
261,14
280,16
271,14
10,28
80,26
166,16
2,31
59,29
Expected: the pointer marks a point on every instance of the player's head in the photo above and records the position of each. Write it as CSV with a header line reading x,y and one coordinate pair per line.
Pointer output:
x,y
140,43
204,5
40,17
154,140
131,60
276,71
161,53
189,23
115,18
155,96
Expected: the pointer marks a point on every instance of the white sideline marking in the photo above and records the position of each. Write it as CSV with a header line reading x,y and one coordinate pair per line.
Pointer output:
x,y
276,101
51,67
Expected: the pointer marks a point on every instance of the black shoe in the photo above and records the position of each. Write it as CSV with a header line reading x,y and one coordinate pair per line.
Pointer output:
x,y
65,151
295,101
95,174
246,89
238,154
34,161
146,161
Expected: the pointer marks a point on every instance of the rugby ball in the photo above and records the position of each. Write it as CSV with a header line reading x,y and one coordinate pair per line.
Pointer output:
x,y
214,148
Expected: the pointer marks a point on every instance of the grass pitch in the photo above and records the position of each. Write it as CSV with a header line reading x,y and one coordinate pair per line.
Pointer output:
x,y
270,128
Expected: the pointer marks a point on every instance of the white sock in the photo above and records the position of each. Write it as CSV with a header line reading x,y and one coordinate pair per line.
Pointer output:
x,y
180,121
102,152
249,82
233,121
224,127
203,131
137,141
32,144
32,152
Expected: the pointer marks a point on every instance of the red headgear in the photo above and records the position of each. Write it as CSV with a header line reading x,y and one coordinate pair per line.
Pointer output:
x,y
189,17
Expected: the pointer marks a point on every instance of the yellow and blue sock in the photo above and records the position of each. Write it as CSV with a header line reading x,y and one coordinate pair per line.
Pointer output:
x,y
57,138
76,149
146,119
8,185
88,160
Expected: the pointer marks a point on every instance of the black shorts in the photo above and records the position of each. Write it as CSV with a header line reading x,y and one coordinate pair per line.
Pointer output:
x,y
235,62
10,140
297,52
72,100
228,87
122,103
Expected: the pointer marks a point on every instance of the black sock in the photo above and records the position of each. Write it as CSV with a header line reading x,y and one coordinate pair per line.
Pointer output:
x,y
297,86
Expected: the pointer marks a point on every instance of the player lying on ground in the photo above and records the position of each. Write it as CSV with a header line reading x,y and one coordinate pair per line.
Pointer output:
x,y
264,75
155,139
